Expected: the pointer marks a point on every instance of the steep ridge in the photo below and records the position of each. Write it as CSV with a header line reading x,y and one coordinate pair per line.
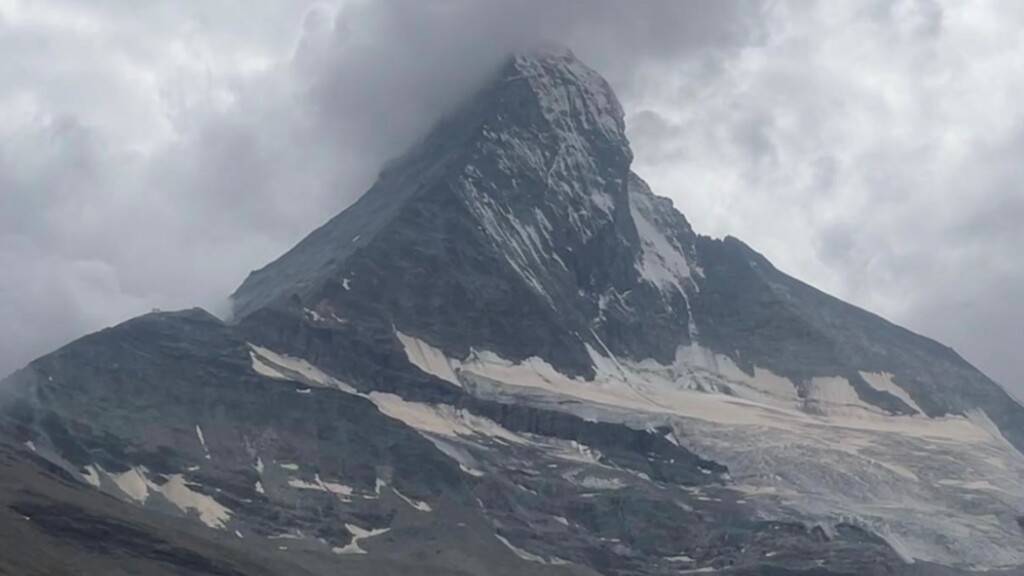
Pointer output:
x,y
511,357
508,228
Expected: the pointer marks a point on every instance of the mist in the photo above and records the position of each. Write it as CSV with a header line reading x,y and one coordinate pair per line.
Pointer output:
x,y
151,157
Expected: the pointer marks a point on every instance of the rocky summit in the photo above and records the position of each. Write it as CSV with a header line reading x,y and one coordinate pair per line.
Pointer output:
x,y
510,357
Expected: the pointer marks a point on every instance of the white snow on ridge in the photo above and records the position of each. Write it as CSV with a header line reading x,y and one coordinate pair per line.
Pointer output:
x,y
427,358
137,486
442,419
91,476
202,441
133,484
210,512
433,422
662,263
282,367
941,489
510,236
882,381
262,368
829,457
835,396
358,534
338,489
525,555
415,504
690,388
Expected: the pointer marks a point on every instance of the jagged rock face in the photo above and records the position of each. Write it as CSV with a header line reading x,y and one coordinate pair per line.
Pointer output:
x,y
511,357
509,228
517,227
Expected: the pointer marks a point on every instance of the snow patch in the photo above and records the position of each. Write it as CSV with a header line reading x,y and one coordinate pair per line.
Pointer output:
x,y
528,556
91,476
692,388
834,395
471,471
264,369
442,419
428,358
318,484
284,367
434,422
133,484
883,381
416,504
202,441
358,534
661,262
969,484
177,492
843,460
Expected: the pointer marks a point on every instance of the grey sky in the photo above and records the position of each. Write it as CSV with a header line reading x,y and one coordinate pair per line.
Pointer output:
x,y
151,154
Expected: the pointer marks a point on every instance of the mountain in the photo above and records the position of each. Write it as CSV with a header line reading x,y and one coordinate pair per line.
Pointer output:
x,y
511,357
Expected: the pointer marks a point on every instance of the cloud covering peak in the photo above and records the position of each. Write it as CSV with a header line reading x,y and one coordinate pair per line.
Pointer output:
x,y
151,155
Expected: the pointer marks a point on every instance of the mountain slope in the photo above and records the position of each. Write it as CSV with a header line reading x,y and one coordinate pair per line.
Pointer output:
x,y
510,356
801,332
511,219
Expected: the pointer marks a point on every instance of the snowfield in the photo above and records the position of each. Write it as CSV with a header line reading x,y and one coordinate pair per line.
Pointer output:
x,y
945,490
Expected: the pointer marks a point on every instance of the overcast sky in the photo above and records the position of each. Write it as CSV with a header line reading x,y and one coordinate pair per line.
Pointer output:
x,y
152,153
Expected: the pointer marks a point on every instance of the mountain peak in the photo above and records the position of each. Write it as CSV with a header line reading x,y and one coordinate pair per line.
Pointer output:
x,y
571,95
542,144
509,335
514,216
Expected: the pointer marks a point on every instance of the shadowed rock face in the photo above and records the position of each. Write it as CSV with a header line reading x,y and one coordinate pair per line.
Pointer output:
x,y
511,357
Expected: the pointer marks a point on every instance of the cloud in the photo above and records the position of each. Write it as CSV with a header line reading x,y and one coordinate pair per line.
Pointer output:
x,y
870,149
151,154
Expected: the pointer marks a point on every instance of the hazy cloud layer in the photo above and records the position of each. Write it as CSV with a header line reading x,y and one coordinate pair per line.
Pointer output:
x,y
151,154
873,150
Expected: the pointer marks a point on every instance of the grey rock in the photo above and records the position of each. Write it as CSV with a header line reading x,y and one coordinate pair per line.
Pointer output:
x,y
302,438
